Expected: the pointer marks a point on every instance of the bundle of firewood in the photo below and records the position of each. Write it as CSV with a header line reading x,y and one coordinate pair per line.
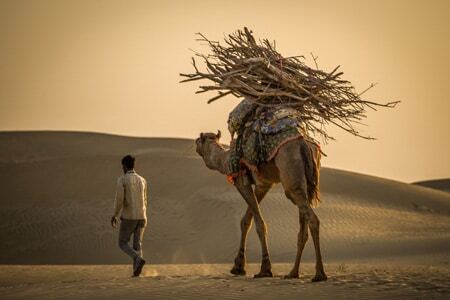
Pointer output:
x,y
255,70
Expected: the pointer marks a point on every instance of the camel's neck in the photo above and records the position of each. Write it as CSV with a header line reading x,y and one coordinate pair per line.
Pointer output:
x,y
216,158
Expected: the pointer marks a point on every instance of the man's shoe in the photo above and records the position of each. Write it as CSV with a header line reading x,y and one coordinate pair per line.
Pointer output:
x,y
140,262
134,266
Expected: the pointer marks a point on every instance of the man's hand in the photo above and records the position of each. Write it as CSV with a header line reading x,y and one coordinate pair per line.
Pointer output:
x,y
113,221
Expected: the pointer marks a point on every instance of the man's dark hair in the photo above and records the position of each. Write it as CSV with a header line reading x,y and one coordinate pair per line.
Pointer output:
x,y
128,162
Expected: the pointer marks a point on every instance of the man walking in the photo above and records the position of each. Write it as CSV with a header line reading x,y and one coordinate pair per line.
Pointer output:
x,y
131,199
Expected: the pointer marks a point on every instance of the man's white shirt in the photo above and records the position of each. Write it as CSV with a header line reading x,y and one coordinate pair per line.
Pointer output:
x,y
131,196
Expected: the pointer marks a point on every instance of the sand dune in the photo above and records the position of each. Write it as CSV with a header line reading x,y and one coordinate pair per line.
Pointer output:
x,y
380,238
57,196
438,184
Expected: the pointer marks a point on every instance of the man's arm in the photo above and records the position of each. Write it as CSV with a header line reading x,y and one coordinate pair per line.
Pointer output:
x,y
120,194
145,192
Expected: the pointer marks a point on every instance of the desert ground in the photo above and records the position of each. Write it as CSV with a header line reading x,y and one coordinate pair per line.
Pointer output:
x,y
380,238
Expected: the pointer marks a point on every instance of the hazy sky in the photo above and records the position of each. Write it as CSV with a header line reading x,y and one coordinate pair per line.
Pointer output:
x,y
112,66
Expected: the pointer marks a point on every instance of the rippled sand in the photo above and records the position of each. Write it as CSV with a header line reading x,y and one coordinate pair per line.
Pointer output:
x,y
381,239
346,281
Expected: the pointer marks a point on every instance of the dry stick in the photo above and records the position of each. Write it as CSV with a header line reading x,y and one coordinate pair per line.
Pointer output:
x,y
245,68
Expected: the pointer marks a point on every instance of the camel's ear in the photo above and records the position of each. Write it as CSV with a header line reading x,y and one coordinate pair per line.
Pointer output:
x,y
202,137
219,134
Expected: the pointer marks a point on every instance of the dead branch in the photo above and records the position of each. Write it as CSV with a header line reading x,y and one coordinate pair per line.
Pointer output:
x,y
255,70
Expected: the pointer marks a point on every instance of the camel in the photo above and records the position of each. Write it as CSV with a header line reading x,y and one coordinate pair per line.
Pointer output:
x,y
296,166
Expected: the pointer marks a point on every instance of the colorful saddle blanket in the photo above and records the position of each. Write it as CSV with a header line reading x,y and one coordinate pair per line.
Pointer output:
x,y
260,138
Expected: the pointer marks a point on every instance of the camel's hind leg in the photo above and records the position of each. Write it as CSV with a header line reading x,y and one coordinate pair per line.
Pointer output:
x,y
303,218
307,217
314,224
292,175
248,194
261,190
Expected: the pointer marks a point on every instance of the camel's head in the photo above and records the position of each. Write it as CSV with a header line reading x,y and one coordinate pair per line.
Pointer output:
x,y
204,141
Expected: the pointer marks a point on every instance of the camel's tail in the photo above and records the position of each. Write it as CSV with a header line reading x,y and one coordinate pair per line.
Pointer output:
x,y
311,156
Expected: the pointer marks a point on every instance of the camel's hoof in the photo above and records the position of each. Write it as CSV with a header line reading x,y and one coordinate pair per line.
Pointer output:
x,y
262,274
319,277
238,271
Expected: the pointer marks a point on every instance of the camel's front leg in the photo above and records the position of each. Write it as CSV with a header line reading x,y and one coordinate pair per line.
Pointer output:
x,y
246,224
240,261
247,193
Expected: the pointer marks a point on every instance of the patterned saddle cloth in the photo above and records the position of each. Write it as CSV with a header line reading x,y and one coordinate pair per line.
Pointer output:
x,y
260,137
